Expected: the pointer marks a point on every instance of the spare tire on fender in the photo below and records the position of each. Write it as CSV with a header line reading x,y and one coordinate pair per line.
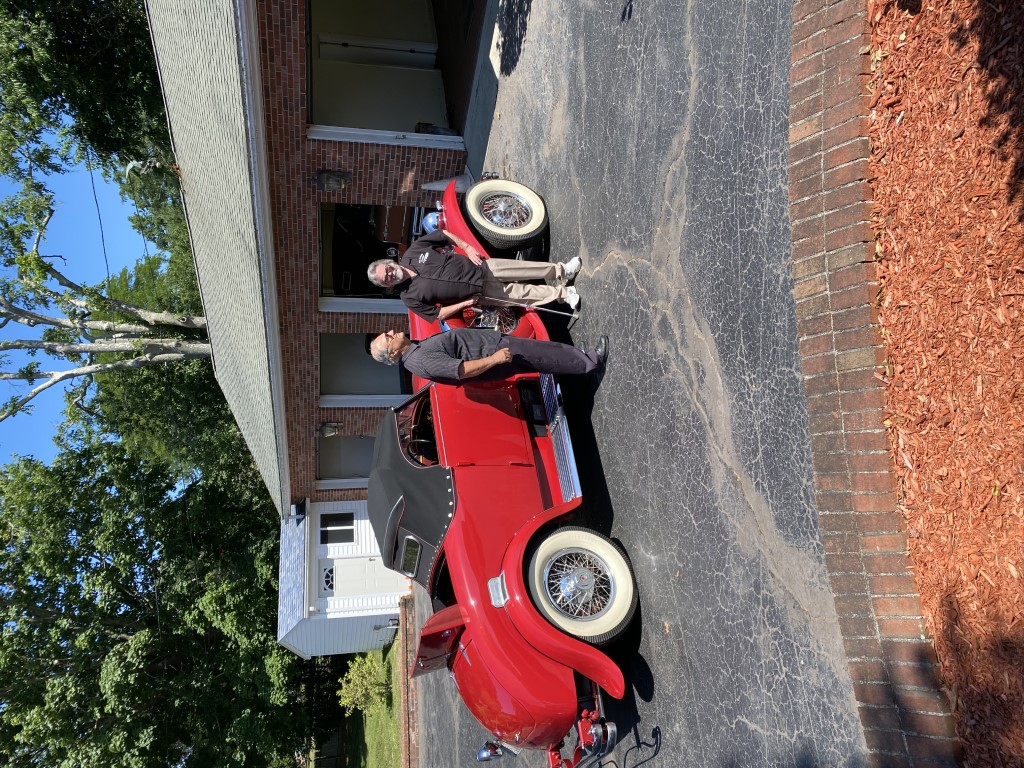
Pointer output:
x,y
505,213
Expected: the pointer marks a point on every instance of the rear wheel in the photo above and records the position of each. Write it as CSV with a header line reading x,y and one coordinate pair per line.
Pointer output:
x,y
504,212
583,583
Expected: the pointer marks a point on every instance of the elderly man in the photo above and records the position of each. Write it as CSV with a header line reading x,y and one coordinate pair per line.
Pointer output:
x,y
431,273
475,353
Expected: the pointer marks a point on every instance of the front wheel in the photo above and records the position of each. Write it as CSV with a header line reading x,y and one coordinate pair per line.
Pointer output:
x,y
583,583
504,212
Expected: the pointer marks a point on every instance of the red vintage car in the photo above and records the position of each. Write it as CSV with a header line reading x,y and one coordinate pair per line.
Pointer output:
x,y
471,495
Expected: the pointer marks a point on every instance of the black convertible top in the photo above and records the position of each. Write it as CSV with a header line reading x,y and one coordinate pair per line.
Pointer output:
x,y
405,499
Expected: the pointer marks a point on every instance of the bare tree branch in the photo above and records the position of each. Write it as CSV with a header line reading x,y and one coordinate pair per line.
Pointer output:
x,y
201,350
80,295
119,344
81,392
195,322
32,319
42,231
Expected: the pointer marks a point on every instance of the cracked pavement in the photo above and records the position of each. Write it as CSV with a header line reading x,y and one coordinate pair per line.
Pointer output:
x,y
657,134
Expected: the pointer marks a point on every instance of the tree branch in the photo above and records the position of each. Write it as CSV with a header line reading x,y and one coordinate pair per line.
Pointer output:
x,y
193,351
122,343
42,231
195,322
32,319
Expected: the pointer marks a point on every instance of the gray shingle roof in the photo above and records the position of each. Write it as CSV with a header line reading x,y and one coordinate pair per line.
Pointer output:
x,y
209,72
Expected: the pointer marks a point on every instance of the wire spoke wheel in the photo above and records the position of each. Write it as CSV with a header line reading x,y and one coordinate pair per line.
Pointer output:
x,y
578,584
505,213
583,583
501,319
505,210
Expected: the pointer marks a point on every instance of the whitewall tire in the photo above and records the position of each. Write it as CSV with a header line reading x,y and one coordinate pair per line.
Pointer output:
x,y
505,212
583,583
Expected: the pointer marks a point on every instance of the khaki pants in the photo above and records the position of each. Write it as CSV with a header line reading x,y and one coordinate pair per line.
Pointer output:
x,y
502,276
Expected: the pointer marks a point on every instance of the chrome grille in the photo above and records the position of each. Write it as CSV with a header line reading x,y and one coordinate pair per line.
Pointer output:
x,y
568,478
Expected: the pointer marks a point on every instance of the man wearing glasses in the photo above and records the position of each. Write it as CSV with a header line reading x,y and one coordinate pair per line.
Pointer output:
x,y
435,282
476,353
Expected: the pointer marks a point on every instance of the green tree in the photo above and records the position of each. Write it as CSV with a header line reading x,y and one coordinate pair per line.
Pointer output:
x,y
84,69
366,683
138,614
78,81
88,329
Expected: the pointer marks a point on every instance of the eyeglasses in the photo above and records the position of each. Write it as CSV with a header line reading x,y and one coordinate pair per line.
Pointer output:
x,y
388,336
391,273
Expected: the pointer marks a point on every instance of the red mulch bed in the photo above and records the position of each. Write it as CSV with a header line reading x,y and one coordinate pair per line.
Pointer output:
x,y
947,135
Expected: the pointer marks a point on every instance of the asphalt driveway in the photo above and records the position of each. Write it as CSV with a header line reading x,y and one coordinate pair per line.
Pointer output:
x,y
657,133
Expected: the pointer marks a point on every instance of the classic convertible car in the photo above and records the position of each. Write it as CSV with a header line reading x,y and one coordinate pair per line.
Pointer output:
x,y
471,495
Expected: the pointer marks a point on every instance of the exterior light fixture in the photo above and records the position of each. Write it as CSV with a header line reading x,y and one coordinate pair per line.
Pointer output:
x,y
332,181
329,430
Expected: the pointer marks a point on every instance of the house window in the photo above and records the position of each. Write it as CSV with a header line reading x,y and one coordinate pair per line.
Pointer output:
x,y
337,528
327,580
343,456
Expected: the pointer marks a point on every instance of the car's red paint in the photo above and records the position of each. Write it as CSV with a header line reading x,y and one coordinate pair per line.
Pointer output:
x,y
470,549
453,220
522,687
459,414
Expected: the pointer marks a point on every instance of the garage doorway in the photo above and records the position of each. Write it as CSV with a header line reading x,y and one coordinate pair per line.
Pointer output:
x,y
374,66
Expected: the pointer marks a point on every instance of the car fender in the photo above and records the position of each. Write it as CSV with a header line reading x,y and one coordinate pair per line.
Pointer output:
x,y
453,220
549,640
516,691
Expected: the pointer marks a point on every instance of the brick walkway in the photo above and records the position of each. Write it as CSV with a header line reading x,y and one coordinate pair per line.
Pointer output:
x,y
891,658
409,700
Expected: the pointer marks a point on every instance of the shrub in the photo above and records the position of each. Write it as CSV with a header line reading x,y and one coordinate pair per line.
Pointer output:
x,y
365,684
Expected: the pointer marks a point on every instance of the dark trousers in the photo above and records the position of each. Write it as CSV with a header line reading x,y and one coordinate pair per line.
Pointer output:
x,y
544,357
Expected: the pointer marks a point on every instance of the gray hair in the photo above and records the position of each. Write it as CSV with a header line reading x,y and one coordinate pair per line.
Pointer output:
x,y
380,354
371,271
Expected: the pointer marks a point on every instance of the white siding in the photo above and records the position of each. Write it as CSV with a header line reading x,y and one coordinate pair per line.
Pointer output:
x,y
354,633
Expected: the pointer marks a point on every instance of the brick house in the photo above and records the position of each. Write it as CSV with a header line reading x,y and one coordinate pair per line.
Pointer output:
x,y
305,136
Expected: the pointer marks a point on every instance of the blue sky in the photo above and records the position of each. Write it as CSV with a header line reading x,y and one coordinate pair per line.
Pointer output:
x,y
73,232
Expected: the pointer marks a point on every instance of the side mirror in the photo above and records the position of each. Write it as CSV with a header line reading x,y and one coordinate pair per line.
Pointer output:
x,y
489,751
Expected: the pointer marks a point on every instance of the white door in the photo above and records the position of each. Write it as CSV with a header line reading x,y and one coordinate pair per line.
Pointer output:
x,y
357,576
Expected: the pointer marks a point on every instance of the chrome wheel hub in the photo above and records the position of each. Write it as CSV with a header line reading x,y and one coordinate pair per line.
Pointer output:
x,y
579,584
505,210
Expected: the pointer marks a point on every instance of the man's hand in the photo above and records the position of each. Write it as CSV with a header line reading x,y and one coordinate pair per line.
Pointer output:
x,y
470,252
470,368
453,309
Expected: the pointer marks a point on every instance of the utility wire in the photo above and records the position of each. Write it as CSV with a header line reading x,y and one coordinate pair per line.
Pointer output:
x,y
99,216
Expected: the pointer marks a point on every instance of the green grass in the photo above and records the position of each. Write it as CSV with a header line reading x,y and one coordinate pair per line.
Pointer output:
x,y
381,725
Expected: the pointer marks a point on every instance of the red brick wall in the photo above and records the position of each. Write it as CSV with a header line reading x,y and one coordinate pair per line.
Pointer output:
x,y
891,659
381,175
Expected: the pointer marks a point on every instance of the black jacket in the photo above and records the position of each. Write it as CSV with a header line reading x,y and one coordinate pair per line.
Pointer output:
x,y
443,276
